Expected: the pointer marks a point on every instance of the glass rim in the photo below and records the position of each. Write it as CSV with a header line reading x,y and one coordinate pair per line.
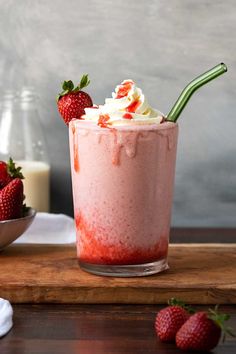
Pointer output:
x,y
92,125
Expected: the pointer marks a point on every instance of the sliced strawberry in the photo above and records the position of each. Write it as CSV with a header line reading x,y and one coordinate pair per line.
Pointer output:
x,y
11,200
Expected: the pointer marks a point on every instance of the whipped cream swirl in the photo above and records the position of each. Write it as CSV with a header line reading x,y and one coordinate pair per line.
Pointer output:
x,y
127,106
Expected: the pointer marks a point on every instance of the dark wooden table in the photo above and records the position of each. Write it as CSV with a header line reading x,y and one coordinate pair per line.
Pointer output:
x,y
96,329
92,329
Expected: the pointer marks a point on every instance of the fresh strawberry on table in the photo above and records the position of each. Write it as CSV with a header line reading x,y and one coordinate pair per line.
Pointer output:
x,y
72,101
170,319
8,171
202,331
11,200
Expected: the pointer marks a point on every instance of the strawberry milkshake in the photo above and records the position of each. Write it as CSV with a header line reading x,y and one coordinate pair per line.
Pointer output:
x,y
123,163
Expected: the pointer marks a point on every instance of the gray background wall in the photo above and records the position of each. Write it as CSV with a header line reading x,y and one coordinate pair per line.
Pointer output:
x,y
161,45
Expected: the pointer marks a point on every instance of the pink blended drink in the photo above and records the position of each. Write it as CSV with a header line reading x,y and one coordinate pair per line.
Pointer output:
x,y
123,165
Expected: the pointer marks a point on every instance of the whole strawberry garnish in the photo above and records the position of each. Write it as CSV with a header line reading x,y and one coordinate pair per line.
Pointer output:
x,y
170,319
202,331
9,171
11,200
72,101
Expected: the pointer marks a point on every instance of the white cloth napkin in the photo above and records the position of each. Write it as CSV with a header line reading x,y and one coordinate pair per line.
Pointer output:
x,y
50,228
6,314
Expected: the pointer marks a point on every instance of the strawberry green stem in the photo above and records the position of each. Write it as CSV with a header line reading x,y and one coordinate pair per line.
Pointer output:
x,y
69,87
13,171
176,302
220,319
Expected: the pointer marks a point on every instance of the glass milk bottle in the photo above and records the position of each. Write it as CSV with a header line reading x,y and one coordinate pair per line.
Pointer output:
x,y
22,138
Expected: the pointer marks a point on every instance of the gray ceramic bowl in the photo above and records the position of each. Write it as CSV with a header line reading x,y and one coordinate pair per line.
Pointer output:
x,y
10,230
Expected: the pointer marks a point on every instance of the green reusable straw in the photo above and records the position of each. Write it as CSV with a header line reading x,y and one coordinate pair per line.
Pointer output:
x,y
201,80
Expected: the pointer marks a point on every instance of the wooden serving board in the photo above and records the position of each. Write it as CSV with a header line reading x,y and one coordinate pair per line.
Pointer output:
x,y
198,274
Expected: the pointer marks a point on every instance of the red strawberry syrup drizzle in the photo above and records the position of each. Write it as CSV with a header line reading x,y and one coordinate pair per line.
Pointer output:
x,y
76,152
92,248
124,89
103,119
127,116
133,106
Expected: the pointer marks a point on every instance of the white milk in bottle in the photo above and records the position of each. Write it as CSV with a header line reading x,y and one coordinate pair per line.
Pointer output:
x,y
36,184
22,138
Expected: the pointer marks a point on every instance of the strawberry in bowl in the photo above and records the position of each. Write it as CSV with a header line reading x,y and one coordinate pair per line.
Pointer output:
x,y
9,171
15,217
11,191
